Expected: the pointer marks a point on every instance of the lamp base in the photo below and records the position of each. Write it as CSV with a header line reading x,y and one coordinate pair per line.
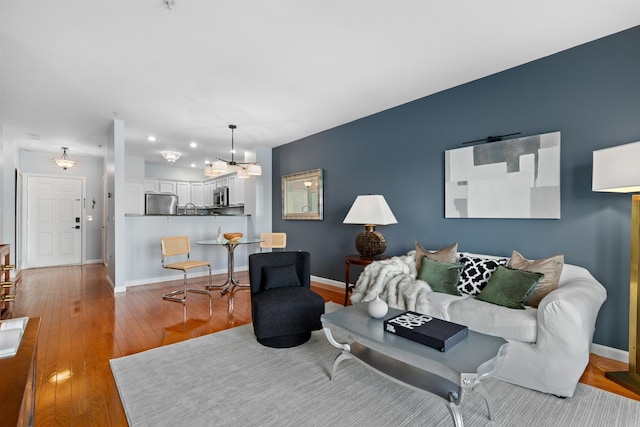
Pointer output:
x,y
625,379
370,243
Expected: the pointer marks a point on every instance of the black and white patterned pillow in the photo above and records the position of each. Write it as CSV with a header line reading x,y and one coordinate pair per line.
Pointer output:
x,y
476,273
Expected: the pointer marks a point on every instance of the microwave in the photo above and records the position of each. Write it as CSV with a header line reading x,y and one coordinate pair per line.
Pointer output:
x,y
220,197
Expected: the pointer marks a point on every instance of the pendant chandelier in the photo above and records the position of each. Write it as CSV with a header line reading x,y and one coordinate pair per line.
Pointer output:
x,y
243,169
65,162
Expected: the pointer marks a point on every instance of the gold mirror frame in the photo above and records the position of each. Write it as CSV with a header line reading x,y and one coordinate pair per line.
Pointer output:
x,y
302,195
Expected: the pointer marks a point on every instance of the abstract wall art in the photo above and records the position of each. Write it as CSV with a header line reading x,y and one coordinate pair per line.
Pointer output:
x,y
515,178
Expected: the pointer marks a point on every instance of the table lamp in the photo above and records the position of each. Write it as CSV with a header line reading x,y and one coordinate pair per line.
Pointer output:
x,y
616,170
370,210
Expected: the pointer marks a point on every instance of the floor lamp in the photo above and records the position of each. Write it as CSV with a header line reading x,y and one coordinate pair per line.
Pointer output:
x,y
617,169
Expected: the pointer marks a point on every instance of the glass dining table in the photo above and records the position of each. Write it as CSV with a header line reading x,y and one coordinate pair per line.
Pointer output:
x,y
231,284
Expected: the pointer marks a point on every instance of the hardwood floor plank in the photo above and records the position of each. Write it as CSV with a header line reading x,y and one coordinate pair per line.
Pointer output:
x,y
84,325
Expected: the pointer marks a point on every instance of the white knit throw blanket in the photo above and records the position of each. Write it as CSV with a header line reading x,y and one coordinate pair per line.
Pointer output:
x,y
394,281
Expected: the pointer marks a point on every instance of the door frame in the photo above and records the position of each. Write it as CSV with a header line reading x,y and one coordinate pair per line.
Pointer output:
x,y
23,215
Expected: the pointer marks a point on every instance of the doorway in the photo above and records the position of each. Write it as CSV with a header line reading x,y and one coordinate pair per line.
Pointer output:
x,y
54,221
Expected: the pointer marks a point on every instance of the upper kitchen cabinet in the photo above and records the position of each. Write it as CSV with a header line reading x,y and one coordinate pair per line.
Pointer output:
x,y
236,190
168,187
207,187
151,186
197,193
183,191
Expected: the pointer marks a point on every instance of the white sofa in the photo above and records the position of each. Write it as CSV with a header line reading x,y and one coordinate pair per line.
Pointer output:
x,y
549,346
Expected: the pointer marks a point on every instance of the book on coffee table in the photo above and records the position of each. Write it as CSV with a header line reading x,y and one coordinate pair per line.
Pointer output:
x,y
427,330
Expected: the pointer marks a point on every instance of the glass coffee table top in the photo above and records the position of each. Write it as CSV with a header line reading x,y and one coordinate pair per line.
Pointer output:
x,y
449,375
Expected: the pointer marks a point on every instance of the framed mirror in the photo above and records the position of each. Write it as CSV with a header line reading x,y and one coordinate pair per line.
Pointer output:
x,y
302,195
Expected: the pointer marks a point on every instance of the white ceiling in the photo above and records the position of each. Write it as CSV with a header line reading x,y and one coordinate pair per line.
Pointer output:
x,y
280,69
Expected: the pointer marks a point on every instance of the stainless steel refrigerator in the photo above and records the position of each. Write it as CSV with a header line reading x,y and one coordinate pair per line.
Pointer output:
x,y
160,204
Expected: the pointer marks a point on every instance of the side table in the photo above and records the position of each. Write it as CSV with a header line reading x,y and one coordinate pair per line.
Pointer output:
x,y
356,260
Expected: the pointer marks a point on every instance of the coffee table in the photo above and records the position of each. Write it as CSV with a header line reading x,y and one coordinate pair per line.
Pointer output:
x,y
450,375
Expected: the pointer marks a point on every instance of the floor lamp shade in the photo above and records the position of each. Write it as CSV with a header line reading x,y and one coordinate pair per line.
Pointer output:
x,y
616,170
370,210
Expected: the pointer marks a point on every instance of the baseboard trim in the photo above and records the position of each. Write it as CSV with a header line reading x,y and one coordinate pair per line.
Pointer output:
x,y
610,352
329,282
179,276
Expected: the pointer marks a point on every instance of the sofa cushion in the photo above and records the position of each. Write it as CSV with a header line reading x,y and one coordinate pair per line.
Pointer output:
x,y
440,276
448,254
551,268
437,304
476,273
509,288
491,319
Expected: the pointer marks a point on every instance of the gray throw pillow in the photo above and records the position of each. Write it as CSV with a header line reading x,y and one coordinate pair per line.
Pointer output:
x,y
447,254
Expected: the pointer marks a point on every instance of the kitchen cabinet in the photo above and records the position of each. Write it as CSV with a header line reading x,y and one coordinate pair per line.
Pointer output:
x,y
206,189
236,190
183,191
151,185
197,193
222,182
168,187
240,190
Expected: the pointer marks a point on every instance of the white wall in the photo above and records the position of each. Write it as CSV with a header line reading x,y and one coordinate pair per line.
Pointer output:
x,y
9,157
88,167
115,199
134,170
258,193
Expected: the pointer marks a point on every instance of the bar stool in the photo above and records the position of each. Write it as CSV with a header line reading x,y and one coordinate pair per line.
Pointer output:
x,y
177,246
273,241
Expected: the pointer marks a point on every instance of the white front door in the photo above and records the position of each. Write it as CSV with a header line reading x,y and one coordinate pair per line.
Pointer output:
x,y
54,221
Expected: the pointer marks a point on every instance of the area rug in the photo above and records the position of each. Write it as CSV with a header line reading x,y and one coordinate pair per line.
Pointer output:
x,y
228,378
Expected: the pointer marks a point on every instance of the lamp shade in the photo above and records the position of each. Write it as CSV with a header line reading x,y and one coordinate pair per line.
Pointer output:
x,y
370,209
615,169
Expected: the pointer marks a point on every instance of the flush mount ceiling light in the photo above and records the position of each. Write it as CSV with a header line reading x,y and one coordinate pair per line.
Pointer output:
x,y
64,162
171,156
221,166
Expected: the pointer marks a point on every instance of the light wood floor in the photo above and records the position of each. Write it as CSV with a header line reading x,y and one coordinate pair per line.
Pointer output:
x,y
84,325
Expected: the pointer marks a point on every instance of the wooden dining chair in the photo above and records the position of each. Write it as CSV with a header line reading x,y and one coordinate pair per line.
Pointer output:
x,y
179,247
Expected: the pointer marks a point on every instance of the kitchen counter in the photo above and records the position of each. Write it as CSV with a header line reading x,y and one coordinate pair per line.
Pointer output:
x,y
143,233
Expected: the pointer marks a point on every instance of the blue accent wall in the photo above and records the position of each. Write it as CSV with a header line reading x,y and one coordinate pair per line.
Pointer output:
x,y
590,93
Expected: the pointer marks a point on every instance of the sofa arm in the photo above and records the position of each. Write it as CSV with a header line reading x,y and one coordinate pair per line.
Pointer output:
x,y
566,321
567,316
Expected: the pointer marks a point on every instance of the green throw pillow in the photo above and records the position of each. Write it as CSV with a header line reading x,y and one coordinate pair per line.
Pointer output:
x,y
441,276
509,288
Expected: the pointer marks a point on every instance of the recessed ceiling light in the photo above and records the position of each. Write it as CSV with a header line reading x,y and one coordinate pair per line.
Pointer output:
x,y
151,138
193,144
193,165
207,162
